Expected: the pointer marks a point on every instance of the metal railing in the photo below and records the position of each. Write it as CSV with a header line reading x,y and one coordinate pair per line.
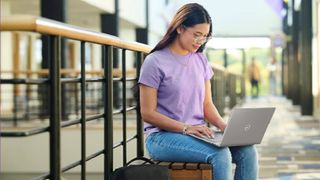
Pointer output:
x,y
224,85
27,101
55,31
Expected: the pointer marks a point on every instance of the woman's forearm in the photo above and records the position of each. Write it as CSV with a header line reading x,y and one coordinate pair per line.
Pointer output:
x,y
212,115
161,121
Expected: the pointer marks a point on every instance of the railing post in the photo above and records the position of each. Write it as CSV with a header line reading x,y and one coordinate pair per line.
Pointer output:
x,y
16,68
218,90
243,87
124,105
140,145
55,110
232,90
108,111
83,111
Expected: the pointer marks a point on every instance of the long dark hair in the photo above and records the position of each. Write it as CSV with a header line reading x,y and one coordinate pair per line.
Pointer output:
x,y
188,15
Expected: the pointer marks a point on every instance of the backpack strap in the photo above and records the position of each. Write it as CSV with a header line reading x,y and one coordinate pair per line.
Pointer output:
x,y
140,158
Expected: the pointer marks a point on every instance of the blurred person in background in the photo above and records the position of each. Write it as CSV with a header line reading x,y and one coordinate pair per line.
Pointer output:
x,y
272,68
254,77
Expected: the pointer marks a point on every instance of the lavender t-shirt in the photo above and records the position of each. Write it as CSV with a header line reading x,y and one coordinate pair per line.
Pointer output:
x,y
180,83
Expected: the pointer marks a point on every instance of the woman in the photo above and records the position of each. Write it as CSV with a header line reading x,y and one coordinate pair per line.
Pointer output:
x,y
175,97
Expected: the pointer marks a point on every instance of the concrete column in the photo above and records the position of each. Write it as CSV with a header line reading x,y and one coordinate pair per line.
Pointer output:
x,y
142,33
305,51
294,70
55,10
110,25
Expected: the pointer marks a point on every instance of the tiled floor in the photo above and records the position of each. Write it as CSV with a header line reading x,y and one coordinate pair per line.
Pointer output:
x,y
290,149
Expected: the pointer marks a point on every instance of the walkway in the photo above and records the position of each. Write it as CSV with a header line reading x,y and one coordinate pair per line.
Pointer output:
x,y
290,149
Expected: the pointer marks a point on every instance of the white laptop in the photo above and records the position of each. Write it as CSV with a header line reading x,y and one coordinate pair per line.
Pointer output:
x,y
246,126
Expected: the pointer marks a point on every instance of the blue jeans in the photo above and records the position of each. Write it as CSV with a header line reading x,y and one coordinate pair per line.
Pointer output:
x,y
169,146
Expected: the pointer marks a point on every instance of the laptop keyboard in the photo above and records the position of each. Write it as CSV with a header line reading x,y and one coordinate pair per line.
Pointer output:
x,y
215,140
217,137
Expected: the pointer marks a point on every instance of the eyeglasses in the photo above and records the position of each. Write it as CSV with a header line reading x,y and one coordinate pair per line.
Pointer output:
x,y
198,37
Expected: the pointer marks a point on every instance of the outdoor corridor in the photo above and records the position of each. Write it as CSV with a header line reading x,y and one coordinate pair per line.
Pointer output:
x,y
290,149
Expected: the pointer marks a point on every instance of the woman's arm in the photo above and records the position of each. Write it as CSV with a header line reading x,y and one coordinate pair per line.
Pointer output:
x,y
148,106
210,111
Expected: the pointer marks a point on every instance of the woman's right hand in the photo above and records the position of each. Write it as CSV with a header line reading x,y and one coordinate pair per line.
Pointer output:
x,y
200,130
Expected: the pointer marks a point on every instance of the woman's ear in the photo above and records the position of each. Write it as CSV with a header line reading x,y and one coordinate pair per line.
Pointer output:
x,y
180,29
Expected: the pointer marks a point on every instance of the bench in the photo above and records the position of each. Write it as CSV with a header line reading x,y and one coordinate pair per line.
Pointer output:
x,y
188,171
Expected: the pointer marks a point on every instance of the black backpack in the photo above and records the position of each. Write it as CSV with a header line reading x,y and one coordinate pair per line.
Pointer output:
x,y
143,171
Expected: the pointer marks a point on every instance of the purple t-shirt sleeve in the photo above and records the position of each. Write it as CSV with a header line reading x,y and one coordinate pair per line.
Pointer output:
x,y
150,74
208,69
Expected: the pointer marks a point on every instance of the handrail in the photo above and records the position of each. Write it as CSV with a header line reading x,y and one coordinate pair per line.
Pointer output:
x,y
217,67
222,68
116,72
47,26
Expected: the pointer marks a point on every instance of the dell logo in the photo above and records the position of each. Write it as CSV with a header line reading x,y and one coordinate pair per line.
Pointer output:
x,y
247,127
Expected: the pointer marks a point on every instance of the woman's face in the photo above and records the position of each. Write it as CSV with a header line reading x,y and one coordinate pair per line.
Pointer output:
x,y
191,38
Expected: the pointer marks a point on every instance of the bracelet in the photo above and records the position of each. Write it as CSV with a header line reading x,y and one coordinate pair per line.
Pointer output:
x,y
185,129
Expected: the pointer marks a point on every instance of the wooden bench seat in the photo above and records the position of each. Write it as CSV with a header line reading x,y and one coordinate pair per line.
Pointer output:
x,y
188,171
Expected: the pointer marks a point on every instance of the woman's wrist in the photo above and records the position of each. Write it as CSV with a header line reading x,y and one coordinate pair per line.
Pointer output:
x,y
222,126
185,129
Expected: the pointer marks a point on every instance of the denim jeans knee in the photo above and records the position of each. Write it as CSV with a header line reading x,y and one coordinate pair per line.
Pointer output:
x,y
246,160
221,162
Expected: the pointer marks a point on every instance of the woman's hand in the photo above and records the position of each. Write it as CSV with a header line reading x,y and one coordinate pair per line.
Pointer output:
x,y
200,130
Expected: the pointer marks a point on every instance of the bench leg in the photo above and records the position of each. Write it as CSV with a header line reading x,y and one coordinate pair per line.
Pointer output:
x,y
206,175
191,174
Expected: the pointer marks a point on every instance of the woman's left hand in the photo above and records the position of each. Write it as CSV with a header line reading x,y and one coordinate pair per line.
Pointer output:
x,y
200,130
